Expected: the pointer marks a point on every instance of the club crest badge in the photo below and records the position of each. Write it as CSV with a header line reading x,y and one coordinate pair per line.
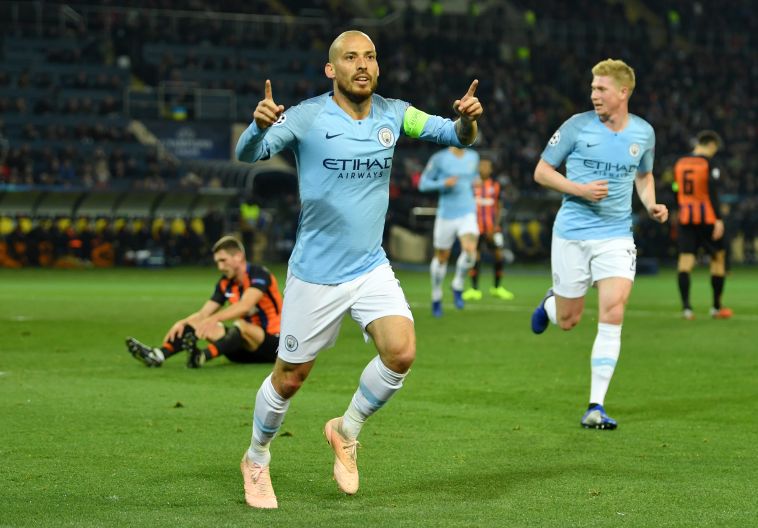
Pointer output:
x,y
386,137
290,343
634,150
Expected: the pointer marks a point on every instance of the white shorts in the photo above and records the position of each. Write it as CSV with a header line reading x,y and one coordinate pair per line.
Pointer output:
x,y
447,230
578,264
312,313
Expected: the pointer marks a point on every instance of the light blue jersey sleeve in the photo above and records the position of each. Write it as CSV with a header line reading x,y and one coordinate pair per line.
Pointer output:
x,y
436,129
432,178
254,144
648,155
562,142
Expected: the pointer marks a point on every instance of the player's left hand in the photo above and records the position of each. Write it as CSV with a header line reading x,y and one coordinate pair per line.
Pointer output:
x,y
204,328
468,107
658,212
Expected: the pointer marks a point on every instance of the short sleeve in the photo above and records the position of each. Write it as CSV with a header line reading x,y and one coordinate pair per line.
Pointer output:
x,y
561,143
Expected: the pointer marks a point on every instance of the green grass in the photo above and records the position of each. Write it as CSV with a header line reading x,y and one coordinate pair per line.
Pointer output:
x,y
484,433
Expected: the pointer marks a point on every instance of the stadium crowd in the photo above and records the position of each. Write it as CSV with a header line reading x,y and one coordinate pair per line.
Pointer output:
x,y
67,127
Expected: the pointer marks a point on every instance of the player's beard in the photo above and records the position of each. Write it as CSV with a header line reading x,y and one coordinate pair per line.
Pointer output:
x,y
345,88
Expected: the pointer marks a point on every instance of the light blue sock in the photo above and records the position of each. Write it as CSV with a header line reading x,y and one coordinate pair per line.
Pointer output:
x,y
268,416
377,385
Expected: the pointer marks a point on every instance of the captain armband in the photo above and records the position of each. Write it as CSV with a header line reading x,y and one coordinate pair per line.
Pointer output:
x,y
414,121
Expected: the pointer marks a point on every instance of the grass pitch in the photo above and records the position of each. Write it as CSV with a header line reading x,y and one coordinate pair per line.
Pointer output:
x,y
484,433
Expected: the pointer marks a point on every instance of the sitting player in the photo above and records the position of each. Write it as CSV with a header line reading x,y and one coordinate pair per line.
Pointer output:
x,y
254,306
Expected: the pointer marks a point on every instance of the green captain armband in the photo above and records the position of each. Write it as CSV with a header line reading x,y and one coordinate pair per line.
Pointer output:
x,y
414,121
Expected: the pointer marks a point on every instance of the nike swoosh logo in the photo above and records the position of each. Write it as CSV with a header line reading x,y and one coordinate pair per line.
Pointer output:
x,y
590,145
333,136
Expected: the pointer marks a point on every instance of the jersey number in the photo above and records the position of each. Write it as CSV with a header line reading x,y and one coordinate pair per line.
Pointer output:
x,y
688,184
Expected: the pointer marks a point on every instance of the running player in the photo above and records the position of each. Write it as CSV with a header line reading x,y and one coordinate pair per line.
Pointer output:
x,y
452,172
607,152
344,141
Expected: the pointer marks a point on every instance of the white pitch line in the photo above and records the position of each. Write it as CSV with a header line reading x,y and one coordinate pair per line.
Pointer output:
x,y
510,307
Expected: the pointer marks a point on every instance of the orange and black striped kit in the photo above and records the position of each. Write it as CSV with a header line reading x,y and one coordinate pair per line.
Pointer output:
x,y
693,179
267,314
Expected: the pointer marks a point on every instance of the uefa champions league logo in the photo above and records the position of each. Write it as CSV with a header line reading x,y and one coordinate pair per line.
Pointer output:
x,y
282,119
386,137
555,139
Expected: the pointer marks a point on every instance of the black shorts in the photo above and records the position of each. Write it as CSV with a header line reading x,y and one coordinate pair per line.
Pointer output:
x,y
694,236
485,243
266,353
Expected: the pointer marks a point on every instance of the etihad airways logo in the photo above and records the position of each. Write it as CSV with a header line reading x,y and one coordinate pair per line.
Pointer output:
x,y
613,170
359,168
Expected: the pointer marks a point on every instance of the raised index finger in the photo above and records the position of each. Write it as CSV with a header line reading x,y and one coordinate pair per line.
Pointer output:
x,y
267,91
472,88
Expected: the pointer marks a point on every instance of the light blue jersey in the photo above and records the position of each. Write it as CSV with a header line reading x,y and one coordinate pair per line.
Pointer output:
x,y
344,168
594,152
458,200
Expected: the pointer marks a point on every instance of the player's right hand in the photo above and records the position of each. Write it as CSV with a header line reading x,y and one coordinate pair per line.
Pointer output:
x,y
451,181
267,111
594,191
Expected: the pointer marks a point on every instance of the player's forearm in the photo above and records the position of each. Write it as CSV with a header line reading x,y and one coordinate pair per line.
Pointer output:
x,y
251,146
231,313
466,130
427,183
645,186
547,176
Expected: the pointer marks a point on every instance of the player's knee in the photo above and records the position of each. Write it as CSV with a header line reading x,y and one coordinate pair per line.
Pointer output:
x,y
400,357
288,383
718,264
686,262
614,315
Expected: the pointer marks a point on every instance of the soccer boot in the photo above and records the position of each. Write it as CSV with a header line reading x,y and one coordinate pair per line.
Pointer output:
x,y
688,314
259,492
195,356
540,320
152,357
345,457
437,308
721,313
501,293
595,418
458,299
472,295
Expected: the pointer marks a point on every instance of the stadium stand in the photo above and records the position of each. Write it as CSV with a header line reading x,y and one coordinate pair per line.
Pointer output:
x,y
87,89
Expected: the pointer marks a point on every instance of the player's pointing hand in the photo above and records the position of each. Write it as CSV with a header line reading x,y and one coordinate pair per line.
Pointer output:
x,y
469,107
267,111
